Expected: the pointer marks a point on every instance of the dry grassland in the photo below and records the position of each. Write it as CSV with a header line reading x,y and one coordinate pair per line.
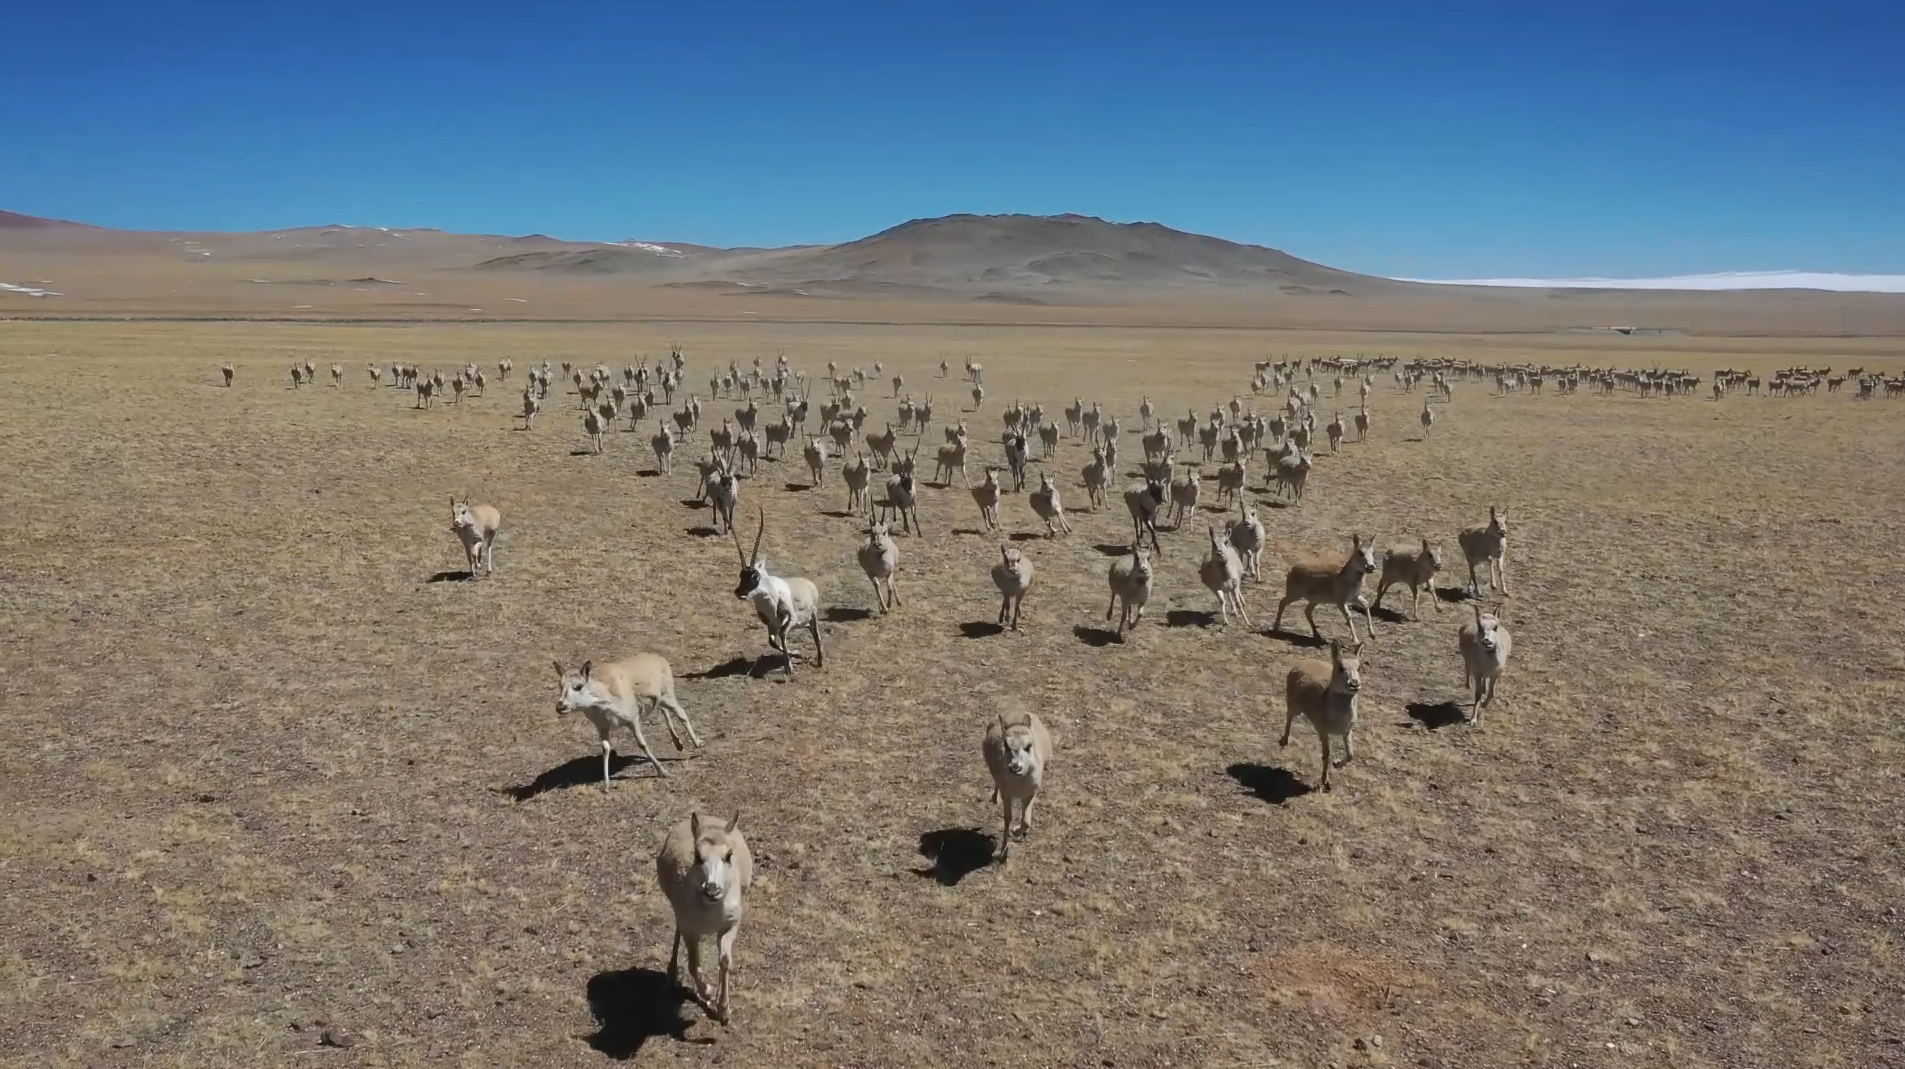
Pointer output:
x,y
264,777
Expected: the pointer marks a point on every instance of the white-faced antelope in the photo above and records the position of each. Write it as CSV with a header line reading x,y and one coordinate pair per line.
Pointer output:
x,y
782,604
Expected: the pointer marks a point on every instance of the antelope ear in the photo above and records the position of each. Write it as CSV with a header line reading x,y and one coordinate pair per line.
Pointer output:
x,y
558,665
694,825
586,666
734,823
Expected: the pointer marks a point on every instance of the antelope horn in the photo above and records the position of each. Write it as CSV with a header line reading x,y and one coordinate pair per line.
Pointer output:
x,y
732,533
756,555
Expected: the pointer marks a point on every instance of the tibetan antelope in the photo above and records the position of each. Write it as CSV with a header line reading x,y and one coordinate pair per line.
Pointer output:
x,y
1324,693
616,694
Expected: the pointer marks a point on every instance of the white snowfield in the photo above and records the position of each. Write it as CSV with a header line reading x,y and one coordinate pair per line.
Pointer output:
x,y
1724,280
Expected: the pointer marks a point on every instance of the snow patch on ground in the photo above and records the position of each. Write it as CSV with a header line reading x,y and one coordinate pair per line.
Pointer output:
x,y
1722,280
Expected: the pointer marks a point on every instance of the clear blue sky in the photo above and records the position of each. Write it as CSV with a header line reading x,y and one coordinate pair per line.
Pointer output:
x,y
1404,138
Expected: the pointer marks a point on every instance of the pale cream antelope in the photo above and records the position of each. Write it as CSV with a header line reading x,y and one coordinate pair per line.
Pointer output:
x,y
476,526
986,496
1013,576
1484,647
1048,440
704,870
1097,476
663,443
592,425
816,456
1048,506
879,559
1017,750
1246,533
952,458
1223,572
616,694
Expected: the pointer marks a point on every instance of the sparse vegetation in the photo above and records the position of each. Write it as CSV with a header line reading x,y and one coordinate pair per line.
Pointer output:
x,y
308,791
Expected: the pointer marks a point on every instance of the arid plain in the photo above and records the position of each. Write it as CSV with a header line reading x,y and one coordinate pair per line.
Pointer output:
x,y
274,784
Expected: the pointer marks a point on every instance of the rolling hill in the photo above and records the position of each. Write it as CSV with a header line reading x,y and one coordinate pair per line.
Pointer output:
x,y
1073,255
998,257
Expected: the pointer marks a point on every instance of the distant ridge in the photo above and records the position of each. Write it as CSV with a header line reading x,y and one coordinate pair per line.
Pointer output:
x,y
16,221
1010,258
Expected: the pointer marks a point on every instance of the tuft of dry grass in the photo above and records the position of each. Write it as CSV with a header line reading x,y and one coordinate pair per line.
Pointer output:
x,y
266,778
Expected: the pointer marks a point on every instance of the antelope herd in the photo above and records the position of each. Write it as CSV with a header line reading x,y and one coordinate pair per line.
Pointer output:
x,y
704,867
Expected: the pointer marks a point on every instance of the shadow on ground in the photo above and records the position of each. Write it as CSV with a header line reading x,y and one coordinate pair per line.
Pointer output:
x,y
1308,642
728,669
955,853
1436,715
633,1006
582,771
1267,782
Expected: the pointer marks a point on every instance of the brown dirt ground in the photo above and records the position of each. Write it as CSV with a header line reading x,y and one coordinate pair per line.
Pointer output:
x,y
264,777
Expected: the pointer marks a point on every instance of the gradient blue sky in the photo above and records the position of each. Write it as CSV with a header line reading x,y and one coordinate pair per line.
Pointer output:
x,y
1401,138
